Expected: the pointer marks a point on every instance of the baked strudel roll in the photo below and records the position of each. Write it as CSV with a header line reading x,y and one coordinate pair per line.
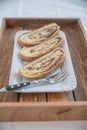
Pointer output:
x,y
39,35
36,51
44,65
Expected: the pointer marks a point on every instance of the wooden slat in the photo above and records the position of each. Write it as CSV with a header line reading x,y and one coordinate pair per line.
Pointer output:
x,y
33,97
43,111
63,96
3,28
78,51
82,31
38,22
6,50
8,97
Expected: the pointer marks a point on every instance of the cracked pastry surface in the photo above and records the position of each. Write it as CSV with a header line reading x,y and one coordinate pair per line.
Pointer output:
x,y
39,35
36,51
44,65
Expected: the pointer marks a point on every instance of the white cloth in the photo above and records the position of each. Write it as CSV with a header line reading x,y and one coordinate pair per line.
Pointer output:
x,y
55,8
45,8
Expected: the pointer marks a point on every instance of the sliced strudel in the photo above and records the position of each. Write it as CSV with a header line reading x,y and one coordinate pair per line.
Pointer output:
x,y
39,35
44,65
36,51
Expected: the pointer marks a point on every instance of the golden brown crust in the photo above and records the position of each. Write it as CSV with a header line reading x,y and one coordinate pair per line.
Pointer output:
x,y
39,74
36,41
28,53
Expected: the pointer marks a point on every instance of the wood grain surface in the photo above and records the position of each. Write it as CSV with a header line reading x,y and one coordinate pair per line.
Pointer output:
x,y
33,23
63,96
43,111
44,106
6,50
78,50
33,97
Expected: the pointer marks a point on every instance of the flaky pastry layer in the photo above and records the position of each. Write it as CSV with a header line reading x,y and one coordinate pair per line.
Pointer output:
x,y
39,36
36,51
44,65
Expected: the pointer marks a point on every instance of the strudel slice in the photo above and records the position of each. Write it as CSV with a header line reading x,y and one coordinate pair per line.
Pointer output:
x,y
36,51
39,35
44,65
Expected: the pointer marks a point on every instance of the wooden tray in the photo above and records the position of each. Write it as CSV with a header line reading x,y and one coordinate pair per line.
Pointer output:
x,y
44,106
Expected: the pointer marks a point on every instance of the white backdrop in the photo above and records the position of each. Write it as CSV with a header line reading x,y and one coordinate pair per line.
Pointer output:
x,y
45,8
